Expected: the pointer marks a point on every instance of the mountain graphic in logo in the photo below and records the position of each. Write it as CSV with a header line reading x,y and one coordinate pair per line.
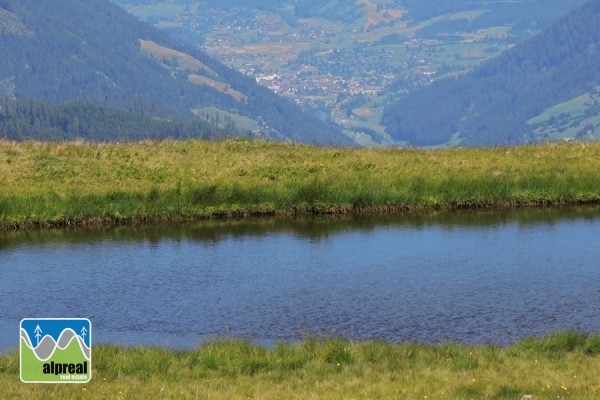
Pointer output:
x,y
56,350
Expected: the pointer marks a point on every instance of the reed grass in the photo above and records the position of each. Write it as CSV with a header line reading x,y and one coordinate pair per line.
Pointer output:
x,y
45,184
564,365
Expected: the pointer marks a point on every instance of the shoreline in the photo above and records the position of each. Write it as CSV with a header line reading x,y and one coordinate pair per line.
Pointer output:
x,y
109,221
562,340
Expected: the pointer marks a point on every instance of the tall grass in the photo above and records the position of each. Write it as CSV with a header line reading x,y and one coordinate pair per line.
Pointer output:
x,y
75,183
565,365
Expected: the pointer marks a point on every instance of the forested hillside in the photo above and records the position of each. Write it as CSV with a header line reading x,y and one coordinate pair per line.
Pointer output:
x,y
90,50
495,103
34,120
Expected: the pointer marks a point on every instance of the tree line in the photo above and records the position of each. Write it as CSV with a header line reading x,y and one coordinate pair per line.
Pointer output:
x,y
35,120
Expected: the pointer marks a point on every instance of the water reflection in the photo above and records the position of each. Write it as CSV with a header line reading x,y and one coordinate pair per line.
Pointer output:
x,y
469,277
312,228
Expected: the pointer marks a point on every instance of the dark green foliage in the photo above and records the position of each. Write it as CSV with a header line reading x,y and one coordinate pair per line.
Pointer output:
x,y
34,120
557,344
203,195
592,344
491,105
338,352
310,192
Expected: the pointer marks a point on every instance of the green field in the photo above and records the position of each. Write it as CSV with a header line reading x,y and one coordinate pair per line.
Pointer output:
x,y
561,366
45,184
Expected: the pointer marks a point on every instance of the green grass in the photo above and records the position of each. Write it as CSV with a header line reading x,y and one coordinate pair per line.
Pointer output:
x,y
46,184
565,365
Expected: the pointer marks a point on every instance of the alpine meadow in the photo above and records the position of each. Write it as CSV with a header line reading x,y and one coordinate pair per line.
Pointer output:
x,y
62,184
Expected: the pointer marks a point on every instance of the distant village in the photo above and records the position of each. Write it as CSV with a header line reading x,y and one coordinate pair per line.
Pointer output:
x,y
351,72
322,78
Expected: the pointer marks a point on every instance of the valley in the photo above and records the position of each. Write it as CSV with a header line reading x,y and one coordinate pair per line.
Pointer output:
x,y
345,62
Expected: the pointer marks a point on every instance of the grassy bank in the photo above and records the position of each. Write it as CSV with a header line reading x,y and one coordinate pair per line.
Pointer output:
x,y
562,366
90,183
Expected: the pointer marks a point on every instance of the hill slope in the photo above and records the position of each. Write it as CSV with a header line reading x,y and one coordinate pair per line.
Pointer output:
x,y
94,50
34,120
500,101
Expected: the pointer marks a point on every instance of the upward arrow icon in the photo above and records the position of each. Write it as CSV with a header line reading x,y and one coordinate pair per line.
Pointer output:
x,y
38,334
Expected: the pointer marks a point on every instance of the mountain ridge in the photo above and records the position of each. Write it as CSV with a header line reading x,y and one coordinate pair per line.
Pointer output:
x,y
90,49
493,104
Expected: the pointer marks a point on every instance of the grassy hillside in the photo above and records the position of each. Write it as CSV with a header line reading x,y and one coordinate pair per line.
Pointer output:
x,y
562,366
72,183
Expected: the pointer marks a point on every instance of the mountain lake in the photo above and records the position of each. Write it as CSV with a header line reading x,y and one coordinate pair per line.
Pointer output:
x,y
469,277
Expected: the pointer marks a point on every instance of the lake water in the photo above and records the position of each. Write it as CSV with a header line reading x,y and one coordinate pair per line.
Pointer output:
x,y
477,277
